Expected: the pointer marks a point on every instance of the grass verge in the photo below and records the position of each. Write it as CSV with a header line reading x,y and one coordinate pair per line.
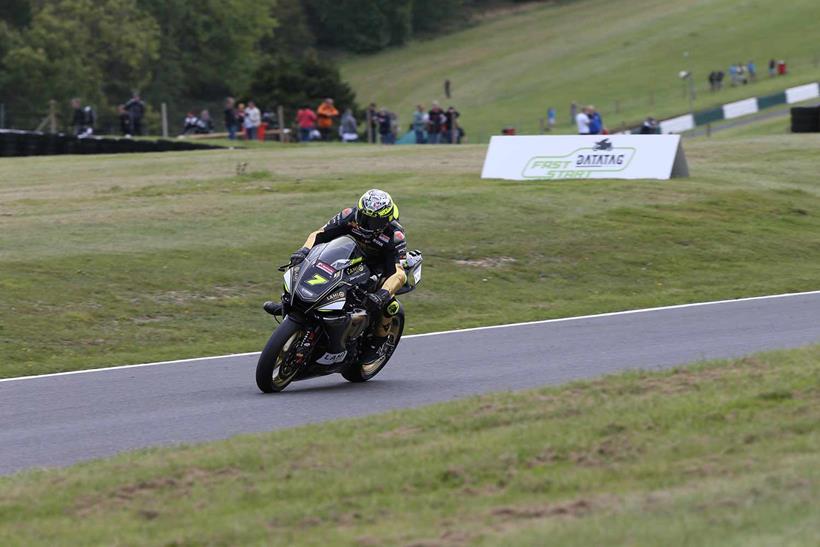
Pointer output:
x,y
720,453
121,259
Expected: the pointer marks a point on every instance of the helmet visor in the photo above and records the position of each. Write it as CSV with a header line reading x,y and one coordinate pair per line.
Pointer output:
x,y
374,224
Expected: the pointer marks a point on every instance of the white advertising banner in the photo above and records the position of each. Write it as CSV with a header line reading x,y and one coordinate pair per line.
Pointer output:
x,y
585,157
679,124
802,93
740,108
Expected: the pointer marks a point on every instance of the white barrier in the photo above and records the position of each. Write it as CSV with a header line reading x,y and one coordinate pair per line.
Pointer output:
x,y
585,157
802,93
678,125
739,108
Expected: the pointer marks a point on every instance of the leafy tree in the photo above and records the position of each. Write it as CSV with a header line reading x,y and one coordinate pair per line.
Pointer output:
x,y
431,16
292,35
293,83
79,48
360,25
15,13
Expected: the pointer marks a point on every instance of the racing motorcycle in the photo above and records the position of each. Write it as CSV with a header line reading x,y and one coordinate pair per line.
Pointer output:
x,y
327,319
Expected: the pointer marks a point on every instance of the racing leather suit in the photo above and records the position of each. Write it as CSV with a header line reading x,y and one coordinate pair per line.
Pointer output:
x,y
385,252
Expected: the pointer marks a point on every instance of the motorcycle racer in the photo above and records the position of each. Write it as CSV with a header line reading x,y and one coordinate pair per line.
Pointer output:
x,y
373,223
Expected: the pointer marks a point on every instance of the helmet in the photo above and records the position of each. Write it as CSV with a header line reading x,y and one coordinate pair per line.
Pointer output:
x,y
375,211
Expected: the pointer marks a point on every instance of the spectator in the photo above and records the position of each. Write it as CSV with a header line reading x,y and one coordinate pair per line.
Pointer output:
x,y
204,123
751,69
349,127
136,110
385,119
447,88
449,132
713,81
435,123
306,120
582,120
733,77
231,118
650,126
83,120
781,68
190,124
596,124
741,73
720,75
551,118
240,118
125,120
373,116
420,118
772,68
252,120
326,112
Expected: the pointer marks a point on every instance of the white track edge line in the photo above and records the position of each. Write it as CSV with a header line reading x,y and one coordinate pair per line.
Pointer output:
x,y
454,331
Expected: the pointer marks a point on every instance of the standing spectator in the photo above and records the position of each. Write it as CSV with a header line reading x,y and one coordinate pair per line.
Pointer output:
x,y
713,81
349,127
751,68
582,121
204,123
306,120
326,112
252,120
386,126
551,118
231,118
573,112
447,88
240,118
772,68
136,110
596,124
83,120
450,129
419,123
733,75
125,120
741,73
719,79
781,68
435,123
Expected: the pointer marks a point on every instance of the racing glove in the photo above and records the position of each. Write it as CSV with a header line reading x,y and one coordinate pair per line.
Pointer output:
x,y
299,256
379,299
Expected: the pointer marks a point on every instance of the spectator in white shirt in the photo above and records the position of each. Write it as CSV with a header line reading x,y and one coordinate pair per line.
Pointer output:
x,y
582,120
252,120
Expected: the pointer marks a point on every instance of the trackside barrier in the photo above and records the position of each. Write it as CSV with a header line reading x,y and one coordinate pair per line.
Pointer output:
x,y
33,143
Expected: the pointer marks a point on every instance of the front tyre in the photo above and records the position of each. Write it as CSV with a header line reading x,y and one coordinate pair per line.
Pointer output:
x,y
276,367
362,372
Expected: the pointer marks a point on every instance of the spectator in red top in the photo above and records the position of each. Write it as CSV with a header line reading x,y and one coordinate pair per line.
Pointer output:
x,y
306,119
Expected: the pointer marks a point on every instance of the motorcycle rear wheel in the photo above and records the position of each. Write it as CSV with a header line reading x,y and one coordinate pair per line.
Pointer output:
x,y
362,372
271,375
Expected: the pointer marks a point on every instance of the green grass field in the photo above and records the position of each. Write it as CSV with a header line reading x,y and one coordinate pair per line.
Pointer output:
x,y
510,69
121,259
724,453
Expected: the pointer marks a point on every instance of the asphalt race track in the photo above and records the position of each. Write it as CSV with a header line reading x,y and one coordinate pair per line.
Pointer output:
x,y
60,419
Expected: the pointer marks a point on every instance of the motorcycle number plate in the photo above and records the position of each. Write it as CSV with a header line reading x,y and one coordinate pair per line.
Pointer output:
x,y
331,358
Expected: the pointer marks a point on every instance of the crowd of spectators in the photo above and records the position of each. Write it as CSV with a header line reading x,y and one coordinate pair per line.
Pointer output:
x,y
743,73
590,122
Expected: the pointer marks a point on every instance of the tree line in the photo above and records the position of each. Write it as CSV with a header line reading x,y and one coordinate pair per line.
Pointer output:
x,y
183,51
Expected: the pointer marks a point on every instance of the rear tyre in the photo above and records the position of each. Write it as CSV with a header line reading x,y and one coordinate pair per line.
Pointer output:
x,y
275,369
362,372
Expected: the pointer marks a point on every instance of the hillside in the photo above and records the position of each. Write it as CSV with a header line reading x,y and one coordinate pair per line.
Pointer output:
x,y
509,70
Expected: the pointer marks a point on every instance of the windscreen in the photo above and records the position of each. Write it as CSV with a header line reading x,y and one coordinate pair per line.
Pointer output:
x,y
337,253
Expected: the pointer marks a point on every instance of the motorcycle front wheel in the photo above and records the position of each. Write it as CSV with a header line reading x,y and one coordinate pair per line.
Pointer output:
x,y
362,372
276,368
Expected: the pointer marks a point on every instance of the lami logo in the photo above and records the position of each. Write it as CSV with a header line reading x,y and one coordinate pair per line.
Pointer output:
x,y
603,156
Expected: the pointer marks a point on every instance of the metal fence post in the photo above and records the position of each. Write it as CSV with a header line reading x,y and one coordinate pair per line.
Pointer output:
x,y
164,121
280,115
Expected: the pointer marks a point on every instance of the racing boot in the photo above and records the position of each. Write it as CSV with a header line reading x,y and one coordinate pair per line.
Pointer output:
x,y
374,348
273,308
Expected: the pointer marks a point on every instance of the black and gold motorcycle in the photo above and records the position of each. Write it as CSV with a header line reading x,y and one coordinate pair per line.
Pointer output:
x,y
327,319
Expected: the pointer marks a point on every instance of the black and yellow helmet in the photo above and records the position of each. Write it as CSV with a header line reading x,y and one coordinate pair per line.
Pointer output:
x,y
375,211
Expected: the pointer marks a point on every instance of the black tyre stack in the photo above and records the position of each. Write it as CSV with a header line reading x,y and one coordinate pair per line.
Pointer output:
x,y
806,119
